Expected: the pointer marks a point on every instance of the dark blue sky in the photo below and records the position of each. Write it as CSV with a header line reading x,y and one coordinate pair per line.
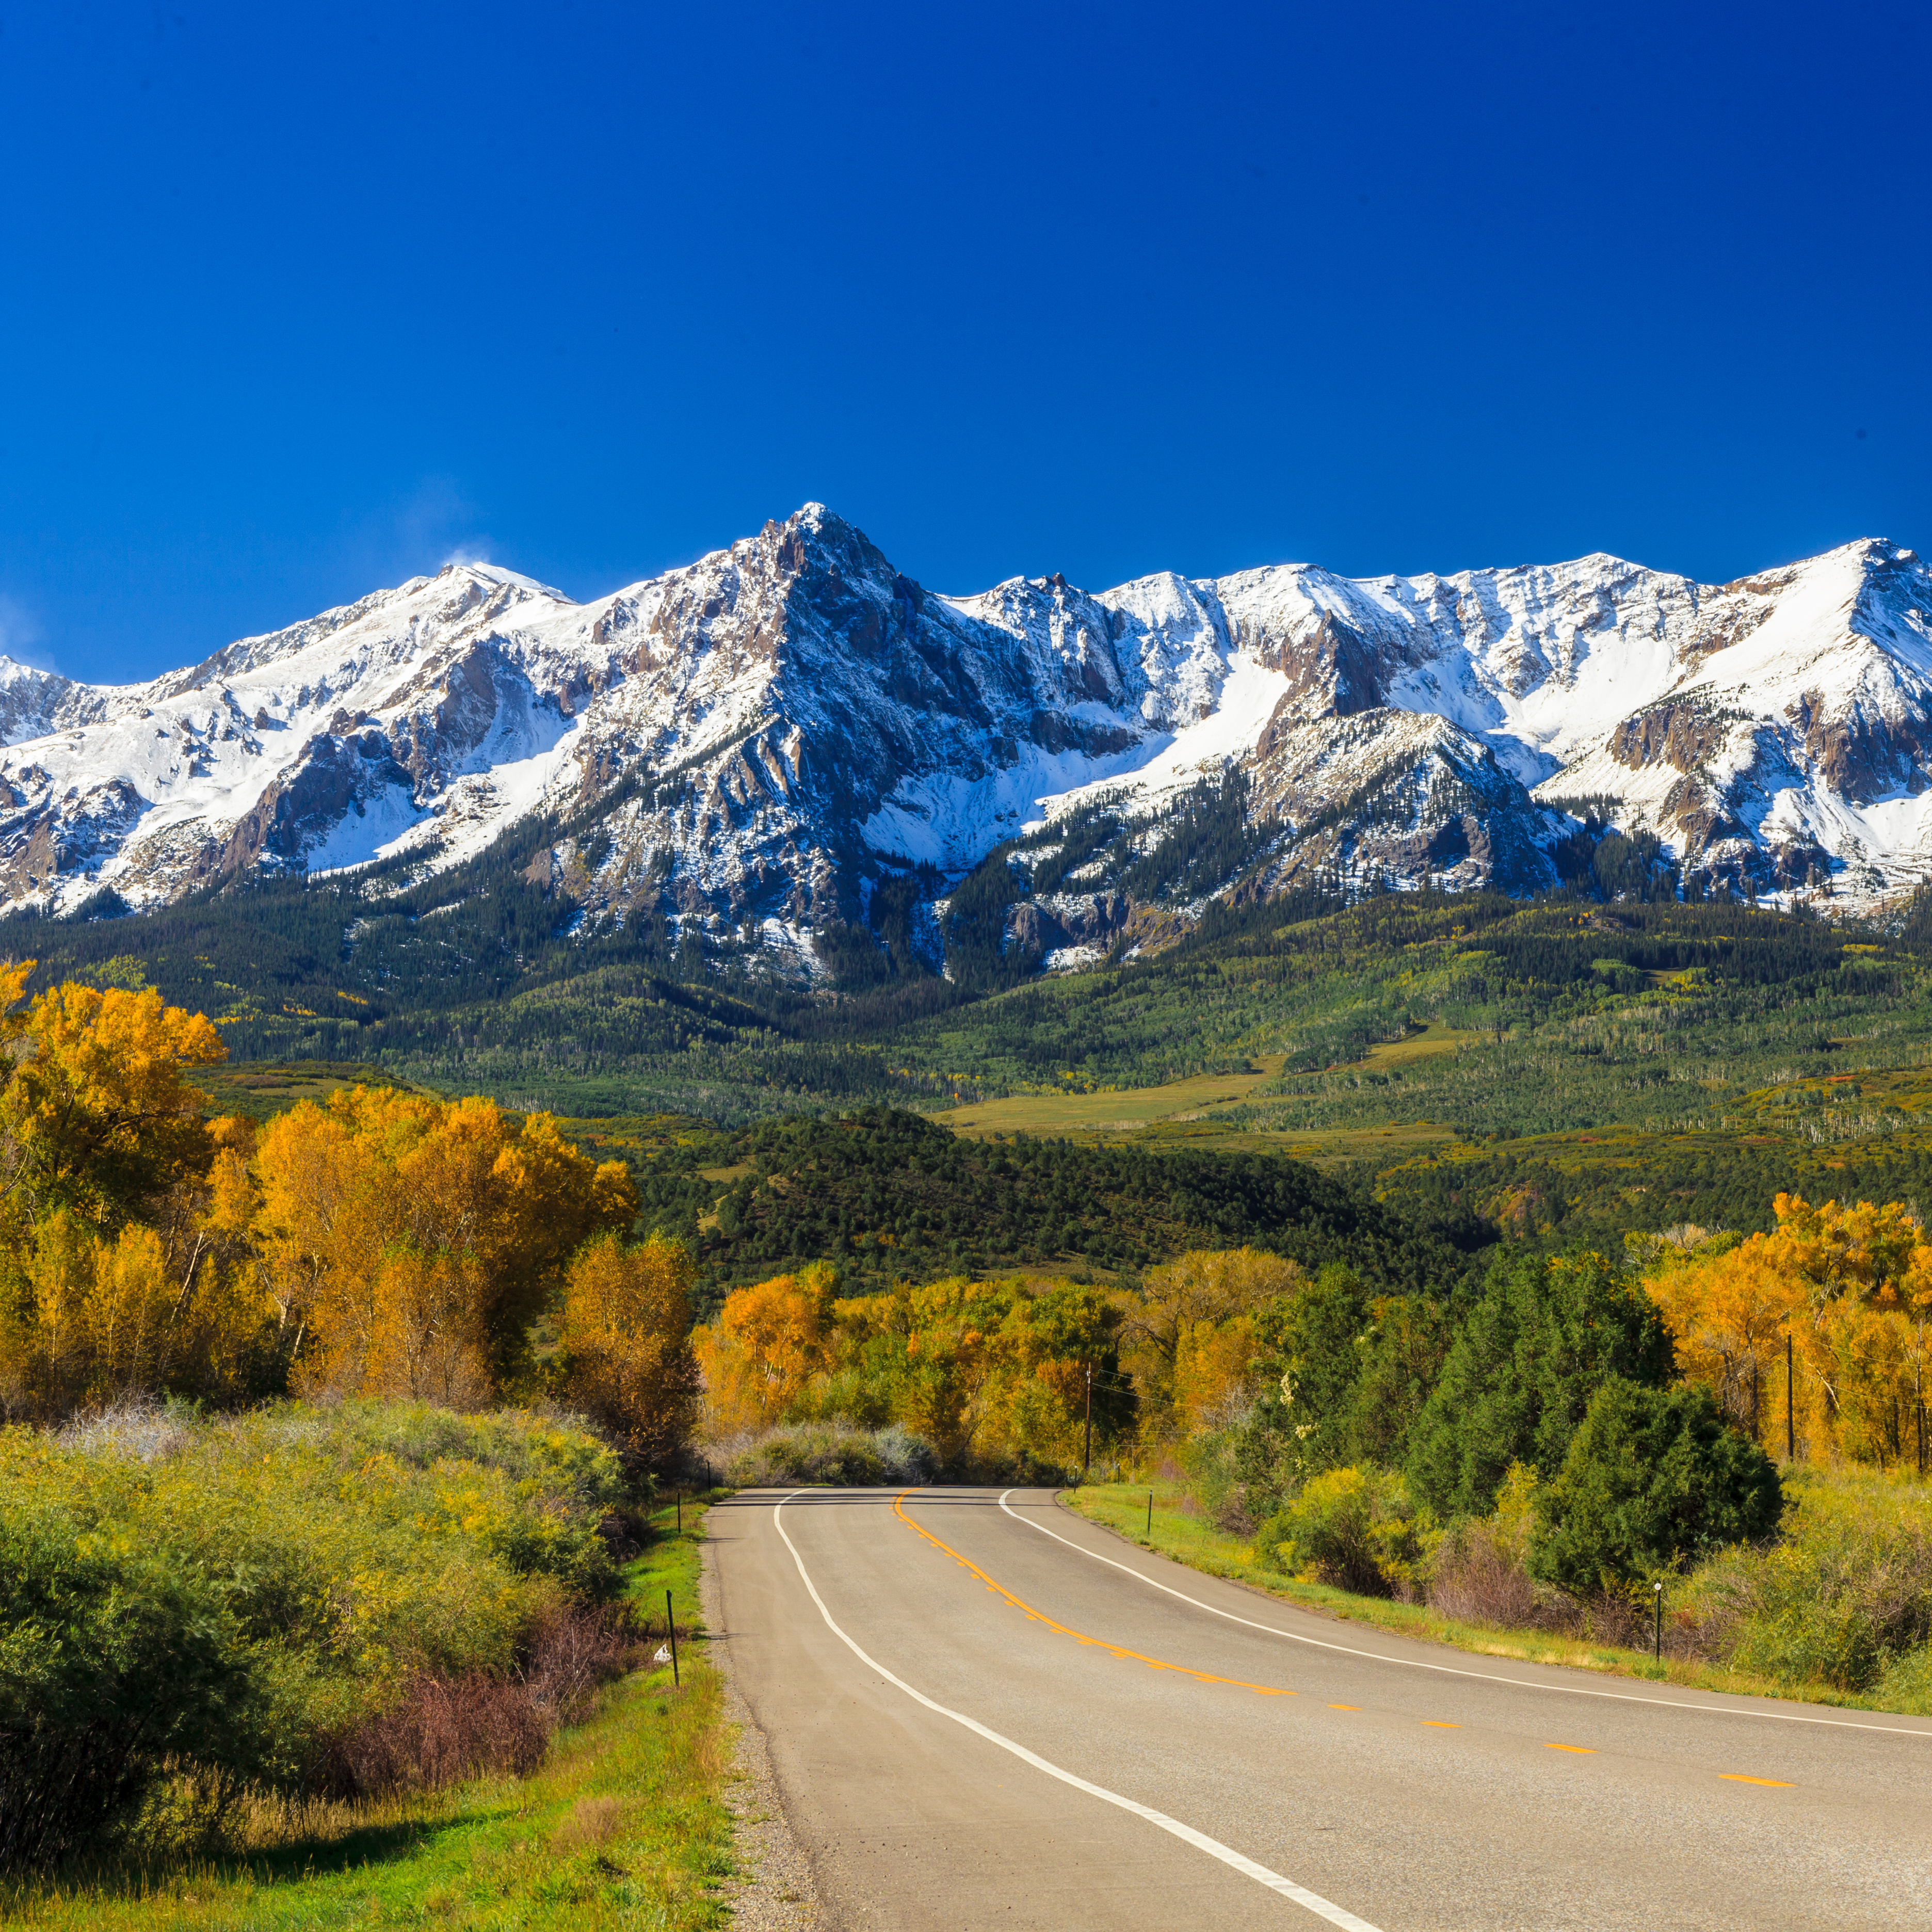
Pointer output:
x,y
301,300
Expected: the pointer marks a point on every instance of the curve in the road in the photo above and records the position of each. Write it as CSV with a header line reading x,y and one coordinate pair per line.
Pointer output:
x,y
1323,1908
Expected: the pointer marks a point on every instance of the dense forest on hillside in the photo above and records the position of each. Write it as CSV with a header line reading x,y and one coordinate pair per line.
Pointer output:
x,y
885,1195
1323,990
1597,1065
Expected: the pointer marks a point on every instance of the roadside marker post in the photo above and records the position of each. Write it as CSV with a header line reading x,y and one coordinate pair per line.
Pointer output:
x,y
670,1624
1149,1516
1659,1588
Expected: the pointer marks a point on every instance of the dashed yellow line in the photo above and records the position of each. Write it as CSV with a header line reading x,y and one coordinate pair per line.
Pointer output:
x,y
1581,1750
1344,1707
1738,1777
999,1589
1437,1724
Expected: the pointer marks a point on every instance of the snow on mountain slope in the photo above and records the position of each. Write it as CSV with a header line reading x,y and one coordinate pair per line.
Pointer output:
x,y
767,735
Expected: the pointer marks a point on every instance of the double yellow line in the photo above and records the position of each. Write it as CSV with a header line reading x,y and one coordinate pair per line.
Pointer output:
x,y
999,1589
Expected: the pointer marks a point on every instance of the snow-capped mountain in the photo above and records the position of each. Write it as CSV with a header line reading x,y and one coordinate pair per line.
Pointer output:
x,y
761,741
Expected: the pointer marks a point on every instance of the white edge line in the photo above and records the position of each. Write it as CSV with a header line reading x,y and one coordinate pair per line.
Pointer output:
x,y
1450,1670
1274,1880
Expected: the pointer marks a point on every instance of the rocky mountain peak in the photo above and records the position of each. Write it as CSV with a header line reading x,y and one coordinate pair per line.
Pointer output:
x,y
775,733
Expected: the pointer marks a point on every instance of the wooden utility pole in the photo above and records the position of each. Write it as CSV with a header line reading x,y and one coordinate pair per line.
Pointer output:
x,y
1790,1425
1086,1461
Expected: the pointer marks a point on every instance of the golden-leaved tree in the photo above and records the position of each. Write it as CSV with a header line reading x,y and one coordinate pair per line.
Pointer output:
x,y
978,1368
1849,1287
1189,1335
769,1343
625,1356
387,1243
411,1241
115,1273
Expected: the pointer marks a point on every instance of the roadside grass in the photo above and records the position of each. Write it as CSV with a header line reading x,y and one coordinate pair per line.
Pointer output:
x,y
672,1562
1191,1539
624,1826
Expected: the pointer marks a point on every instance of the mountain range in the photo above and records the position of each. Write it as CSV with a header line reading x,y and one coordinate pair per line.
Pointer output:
x,y
795,750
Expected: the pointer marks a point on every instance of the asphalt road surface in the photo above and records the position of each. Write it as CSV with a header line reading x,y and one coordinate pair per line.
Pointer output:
x,y
986,1712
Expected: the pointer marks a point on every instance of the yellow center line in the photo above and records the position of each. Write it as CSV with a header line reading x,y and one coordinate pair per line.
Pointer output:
x,y
1344,1707
1738,1777
1437,1724
999,1589
1581,1750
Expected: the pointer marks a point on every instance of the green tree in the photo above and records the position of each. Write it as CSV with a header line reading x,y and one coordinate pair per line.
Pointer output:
x,y
1547,1332
1652,1477
112,1668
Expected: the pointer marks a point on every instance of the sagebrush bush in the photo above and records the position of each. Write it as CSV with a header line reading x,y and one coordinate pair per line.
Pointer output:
x,y
1845,1595
826,1452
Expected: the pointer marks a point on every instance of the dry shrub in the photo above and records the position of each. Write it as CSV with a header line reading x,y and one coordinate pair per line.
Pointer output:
x,y
444,1728
573,1655
593,1821
1478,1578
1232,1514
440,1731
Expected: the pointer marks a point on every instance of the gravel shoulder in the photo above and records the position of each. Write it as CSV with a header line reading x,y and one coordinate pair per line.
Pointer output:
x,y
776,1889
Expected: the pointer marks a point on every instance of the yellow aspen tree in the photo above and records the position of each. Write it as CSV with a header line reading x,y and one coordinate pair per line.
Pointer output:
x,y
127,1313
768,1342
625,1358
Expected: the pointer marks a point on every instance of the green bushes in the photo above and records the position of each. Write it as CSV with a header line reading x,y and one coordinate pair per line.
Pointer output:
x,y
1652,1477
110,1666
1356,1528
230,1600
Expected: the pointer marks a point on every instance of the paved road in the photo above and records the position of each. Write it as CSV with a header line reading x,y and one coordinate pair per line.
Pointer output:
x,y
986,1714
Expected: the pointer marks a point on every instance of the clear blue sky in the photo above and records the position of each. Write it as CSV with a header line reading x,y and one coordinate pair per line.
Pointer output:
x,y
298,302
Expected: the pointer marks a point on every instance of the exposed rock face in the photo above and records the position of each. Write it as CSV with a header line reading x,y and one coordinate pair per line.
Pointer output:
x,y
1681,734
768,734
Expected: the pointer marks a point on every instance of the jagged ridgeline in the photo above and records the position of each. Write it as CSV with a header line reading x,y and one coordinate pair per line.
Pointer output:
x,y
834,749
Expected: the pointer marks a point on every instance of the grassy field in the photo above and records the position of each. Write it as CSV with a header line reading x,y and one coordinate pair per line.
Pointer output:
x,y
262,1091
624,1827
1423,1044
1184,1104
1184,1113
1125,1110
1189,1538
